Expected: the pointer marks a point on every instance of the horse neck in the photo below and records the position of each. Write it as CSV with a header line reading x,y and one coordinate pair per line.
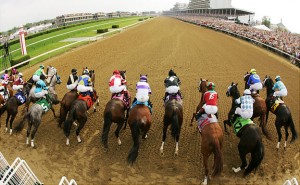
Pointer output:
x,y
270,91
52,84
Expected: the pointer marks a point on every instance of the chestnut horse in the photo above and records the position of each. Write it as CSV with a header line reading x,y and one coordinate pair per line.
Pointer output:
x,y
139,120
259,108
114,112
202,89
282,112
174,117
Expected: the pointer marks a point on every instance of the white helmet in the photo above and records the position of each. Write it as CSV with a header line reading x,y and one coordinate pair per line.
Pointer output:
x,y
86,71
247,91
20,75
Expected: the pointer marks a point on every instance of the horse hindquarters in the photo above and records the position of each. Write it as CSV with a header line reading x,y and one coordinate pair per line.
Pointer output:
x,y
218,157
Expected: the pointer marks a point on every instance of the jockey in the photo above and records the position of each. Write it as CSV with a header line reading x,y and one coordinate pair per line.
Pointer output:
x,y
85,85
142,91
5,81
280,86
73,80
117,84
41,89
172,83
254,82
210,101
37,75
14,72
246,109
18,83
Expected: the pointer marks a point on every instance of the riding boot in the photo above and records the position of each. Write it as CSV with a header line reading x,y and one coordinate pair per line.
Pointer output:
x,y
165,97
180,94
5,90
134,101
235,116
199,113
92,96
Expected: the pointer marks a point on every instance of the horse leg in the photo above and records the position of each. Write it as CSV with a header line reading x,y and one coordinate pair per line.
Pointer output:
x,y
11,122
163,139
263,124
28,132
242,154
286,135
176,145
117,132
81,124
53,112
277,125
7,119
105,131
205,164
35,127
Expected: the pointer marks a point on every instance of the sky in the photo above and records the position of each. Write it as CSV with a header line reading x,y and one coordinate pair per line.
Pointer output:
x,y
14,13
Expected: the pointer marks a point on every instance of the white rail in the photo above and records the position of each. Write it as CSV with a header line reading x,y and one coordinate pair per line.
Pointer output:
x,y
64,181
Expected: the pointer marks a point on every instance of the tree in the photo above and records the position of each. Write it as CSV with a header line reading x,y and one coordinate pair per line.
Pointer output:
x,y
266,21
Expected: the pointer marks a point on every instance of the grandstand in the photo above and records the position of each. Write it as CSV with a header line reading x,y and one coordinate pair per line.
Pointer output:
x,y
213,8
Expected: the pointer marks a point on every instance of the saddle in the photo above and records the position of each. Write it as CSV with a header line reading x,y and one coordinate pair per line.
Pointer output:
x,y
239,123
21,97
44,104
173,97
204,120
88,100
121,96
142,103
277,103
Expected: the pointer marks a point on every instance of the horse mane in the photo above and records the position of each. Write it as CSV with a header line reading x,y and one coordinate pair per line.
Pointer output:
x,y
234,92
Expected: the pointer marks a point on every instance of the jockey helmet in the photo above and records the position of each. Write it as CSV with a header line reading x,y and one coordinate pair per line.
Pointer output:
x,y
210,86
172,73
86,72
252,71
74,71
14,70
143,78
277,78
6,71
42,66
247,91
116,72
20,75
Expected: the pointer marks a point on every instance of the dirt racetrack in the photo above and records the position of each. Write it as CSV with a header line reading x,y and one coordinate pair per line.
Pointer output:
x,y
154,47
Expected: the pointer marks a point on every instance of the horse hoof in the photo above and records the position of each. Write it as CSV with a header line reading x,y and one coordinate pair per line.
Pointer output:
x,y
191,124
175,154
95,110
161,153
97,104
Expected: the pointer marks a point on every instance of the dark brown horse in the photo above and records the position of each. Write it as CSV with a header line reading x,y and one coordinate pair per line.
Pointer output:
x,y
78,112
3,106
259,108
202,89
139,120
282,112
65,105
212,143
174,117
114,112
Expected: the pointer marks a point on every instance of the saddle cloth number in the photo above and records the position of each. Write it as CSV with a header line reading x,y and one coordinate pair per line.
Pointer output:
x,y
21,99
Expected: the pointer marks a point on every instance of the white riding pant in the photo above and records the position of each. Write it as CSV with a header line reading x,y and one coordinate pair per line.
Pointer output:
x,y
256,87
36,78
210,109
172,89
17,87
117,89
82,88
41,94
72,86
244,113
283,92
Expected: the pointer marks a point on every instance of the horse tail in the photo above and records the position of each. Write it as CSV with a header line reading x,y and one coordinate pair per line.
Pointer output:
x,y
175,124
257,155
62,113
106,127
3,109
292,126
21,125
69,121
135,132
218,158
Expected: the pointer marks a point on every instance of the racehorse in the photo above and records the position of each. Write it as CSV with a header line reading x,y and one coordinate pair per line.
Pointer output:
x,y
202,89
282,112
3,106
12,107
250,142
78,112
53,79
139,120
12,76
114,112
259,108
34,117
174,117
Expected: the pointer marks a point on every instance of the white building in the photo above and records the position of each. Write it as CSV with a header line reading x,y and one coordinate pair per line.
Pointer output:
x,y
215,4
